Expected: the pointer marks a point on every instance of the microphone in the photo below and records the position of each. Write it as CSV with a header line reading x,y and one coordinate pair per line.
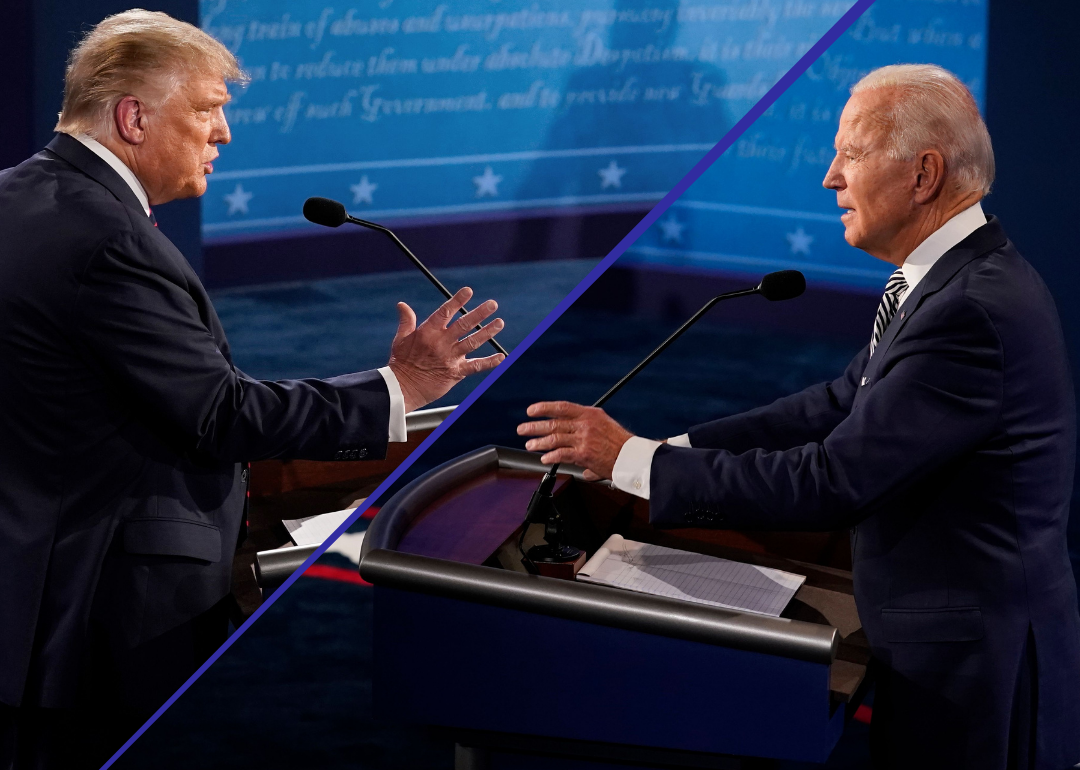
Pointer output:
x,y
775,287
331,213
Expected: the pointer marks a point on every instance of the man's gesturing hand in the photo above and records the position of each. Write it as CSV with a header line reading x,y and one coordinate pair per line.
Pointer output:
x,y
582,435
429,359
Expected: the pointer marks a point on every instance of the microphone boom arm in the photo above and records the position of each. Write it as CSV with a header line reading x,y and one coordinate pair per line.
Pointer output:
x,y
664,345
661,348
423,269
542,507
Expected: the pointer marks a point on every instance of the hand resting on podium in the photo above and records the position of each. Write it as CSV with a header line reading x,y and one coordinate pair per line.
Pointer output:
x,y
583,435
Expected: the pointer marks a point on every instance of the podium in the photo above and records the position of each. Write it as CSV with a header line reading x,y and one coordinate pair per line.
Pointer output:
x,y
521,669
294,489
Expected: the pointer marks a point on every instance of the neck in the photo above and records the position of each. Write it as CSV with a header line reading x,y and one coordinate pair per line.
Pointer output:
x,y
129,157
925,223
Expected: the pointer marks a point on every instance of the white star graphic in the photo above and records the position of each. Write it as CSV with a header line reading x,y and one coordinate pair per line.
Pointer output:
x,y
800,241
238,200
362,190
672,229
611,176
487,183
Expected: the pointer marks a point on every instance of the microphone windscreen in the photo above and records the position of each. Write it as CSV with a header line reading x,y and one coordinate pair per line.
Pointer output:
x,y
325,212
783,284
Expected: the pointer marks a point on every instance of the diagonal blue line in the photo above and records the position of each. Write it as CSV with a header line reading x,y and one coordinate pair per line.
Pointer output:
x,y
721,147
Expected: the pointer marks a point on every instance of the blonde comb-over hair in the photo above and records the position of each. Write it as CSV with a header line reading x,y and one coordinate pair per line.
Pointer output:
x,y
142,53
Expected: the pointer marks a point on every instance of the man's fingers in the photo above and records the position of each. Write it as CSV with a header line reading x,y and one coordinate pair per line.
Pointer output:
x,y
448,309
474,317
550,441
406,320
477,365
554,409
543,427
560,455
477,338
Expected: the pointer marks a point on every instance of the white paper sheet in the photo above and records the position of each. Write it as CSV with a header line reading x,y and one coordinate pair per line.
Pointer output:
x,y
653,569
313,530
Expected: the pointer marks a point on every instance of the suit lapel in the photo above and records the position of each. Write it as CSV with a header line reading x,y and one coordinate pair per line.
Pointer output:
x,y
987,238
84,159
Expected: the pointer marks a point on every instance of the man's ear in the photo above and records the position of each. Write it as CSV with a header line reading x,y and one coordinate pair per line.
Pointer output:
x,y
929,175
130,116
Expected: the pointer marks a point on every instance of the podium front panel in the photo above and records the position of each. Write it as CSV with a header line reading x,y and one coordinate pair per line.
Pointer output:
x,y
460,643
463,664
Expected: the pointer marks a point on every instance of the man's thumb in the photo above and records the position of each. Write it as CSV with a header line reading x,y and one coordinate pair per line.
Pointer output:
x,y
406,320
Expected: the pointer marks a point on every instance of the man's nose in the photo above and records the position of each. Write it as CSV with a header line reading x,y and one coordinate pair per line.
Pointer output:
x,y
221,134
833,180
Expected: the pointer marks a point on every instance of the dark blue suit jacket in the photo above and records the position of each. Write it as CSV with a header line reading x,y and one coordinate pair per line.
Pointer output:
x,y
951,454
125,425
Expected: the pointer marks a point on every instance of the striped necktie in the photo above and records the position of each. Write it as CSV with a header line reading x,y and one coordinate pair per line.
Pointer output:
x,y
153,219
890,301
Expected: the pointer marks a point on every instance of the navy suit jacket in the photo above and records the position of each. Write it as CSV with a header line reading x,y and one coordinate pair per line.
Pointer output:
x,y
125,425
950,453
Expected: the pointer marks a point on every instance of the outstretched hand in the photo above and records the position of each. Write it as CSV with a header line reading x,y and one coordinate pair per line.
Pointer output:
x,y
582,435
429,359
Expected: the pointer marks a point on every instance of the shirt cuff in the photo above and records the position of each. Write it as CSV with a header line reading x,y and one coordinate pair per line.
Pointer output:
x,y
398,431
683,441
633,466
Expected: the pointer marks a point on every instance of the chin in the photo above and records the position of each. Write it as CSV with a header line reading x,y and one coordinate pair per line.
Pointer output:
x,y
194,189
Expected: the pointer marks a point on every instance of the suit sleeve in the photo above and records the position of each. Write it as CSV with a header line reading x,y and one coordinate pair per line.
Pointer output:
x,y
787,422
137,320
940,398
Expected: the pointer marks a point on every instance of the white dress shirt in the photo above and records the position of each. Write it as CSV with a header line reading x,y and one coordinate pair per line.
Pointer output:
x,y
398,431
633,467
118,166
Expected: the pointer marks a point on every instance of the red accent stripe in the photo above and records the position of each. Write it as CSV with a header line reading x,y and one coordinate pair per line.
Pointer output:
x,y
863,714
370,512
340,574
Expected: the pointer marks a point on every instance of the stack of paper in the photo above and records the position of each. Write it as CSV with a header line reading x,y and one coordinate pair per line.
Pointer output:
x,y
653,569
313,530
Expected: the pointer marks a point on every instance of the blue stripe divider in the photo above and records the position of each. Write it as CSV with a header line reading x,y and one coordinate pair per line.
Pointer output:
x,y
774,93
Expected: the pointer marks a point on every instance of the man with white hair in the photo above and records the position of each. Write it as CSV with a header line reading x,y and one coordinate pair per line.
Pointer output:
x,y
947,447
126,427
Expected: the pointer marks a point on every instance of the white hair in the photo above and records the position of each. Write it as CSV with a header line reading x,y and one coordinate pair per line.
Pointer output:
x,y
934,110
128,51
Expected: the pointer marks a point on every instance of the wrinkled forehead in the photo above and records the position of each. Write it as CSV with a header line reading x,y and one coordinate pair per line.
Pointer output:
x,y
865,117
203,89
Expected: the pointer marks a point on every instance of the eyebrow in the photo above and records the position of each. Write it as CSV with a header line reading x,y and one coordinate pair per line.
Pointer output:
x,y
849,148
213,102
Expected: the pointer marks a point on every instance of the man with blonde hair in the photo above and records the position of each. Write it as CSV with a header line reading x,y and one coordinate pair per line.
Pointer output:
x,y
126,427
947,447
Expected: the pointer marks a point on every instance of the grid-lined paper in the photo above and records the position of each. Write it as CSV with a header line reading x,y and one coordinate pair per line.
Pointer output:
x,y
653,569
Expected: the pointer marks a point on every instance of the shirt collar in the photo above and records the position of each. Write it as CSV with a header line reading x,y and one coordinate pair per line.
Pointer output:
x,y
118,166
927,253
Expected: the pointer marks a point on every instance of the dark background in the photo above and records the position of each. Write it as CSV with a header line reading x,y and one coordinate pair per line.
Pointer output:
x,y
294,691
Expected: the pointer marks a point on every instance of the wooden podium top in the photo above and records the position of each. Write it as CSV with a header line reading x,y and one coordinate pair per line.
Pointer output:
x,y
293,489
470,511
